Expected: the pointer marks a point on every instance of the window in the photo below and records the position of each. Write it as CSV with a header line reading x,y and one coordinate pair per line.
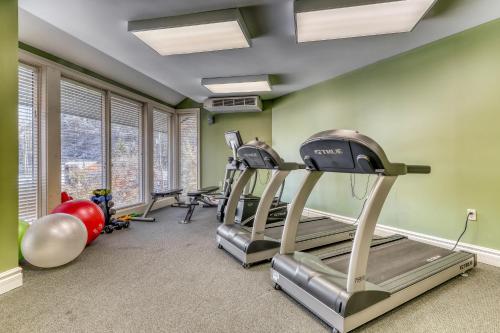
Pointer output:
x,y
188,149
126,151
83,166
101,132
161,151
28,143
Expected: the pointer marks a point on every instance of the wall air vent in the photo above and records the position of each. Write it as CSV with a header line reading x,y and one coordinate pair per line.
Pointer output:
x,y
233,104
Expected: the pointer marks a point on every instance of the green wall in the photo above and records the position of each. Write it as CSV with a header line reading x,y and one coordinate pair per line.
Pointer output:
x,y
214,152
8,134
437,105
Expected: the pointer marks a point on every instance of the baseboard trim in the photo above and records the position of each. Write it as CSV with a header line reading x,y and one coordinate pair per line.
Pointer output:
x,y
11,279
484,255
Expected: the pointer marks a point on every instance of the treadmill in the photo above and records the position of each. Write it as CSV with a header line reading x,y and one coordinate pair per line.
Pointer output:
x,y
247,205
262,241
347,290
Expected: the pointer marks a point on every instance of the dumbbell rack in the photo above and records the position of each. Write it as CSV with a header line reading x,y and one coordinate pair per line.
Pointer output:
x,y
104,199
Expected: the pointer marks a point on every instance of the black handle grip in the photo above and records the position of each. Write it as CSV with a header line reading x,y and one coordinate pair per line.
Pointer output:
x,y
418,169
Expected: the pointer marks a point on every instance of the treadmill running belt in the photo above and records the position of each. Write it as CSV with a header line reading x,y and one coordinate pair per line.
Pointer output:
x,y
308,228
388,261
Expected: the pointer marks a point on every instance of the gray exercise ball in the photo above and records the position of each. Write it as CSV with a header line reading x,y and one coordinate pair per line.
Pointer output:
x,y
54,240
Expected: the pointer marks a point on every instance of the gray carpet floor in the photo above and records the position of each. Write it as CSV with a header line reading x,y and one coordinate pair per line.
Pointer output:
x,y
168,277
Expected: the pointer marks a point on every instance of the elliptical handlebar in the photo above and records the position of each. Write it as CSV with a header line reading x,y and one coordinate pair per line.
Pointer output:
x,y
422,169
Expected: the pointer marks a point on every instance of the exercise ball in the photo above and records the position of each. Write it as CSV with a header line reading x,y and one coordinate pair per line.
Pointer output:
x,y
21,230
54,240
88,212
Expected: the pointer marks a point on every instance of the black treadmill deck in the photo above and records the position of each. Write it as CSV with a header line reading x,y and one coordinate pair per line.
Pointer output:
x,y
309,227
390,260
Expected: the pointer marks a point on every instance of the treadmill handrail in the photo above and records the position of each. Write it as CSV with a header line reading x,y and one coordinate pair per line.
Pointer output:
x,y
266,200
422,169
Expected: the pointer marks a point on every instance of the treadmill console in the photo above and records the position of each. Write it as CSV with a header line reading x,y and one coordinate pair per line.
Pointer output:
x,y
233,141
259,155
347,151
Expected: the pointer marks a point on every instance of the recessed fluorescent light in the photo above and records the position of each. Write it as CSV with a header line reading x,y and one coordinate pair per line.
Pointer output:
x,y
192,33
241,87
326,19
238,84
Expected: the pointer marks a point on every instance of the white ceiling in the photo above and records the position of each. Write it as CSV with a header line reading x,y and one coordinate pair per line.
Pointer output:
x,y
114,52
40,34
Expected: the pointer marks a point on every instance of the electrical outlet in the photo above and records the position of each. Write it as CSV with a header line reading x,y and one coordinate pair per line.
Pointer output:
x,y
472,214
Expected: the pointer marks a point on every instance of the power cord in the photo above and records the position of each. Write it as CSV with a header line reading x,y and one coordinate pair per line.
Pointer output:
x,y
365,197
463,232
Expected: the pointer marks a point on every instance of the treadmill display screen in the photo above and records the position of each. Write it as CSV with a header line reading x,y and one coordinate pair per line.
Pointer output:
x,y
328,155
233,139
257,158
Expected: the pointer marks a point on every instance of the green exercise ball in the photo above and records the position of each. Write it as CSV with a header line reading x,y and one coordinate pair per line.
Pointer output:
x,y
22,227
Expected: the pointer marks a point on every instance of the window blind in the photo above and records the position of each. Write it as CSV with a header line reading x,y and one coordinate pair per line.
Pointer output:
x,y
126,151
28,143
161,150
188,142
83,167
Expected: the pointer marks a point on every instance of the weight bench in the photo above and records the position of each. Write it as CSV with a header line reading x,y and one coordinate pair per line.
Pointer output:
x,y
197,197
175,193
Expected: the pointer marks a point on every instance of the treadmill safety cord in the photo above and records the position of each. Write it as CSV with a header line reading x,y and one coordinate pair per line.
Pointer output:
x,y
352,178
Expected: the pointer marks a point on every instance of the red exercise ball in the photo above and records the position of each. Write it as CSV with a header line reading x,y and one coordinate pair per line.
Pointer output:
x,y
87,211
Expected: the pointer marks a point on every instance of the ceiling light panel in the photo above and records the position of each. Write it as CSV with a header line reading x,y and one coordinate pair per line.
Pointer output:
x,y
240,84
193,33
325,19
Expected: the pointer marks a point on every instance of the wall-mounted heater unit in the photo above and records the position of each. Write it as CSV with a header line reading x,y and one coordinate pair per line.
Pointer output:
x,y
233,104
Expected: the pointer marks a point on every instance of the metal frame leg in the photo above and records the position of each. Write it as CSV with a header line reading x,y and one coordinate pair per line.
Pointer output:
x,y
295,211
358,262
191,206
148,209
189,214
266,200
234,198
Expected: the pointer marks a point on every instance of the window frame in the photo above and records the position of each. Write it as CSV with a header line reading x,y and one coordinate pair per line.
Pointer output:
x,y
105,148
38,118
171,147
50,75
143,152
196,112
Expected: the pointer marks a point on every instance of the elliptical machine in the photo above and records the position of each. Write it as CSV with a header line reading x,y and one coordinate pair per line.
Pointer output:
x,y
234,141
248,203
